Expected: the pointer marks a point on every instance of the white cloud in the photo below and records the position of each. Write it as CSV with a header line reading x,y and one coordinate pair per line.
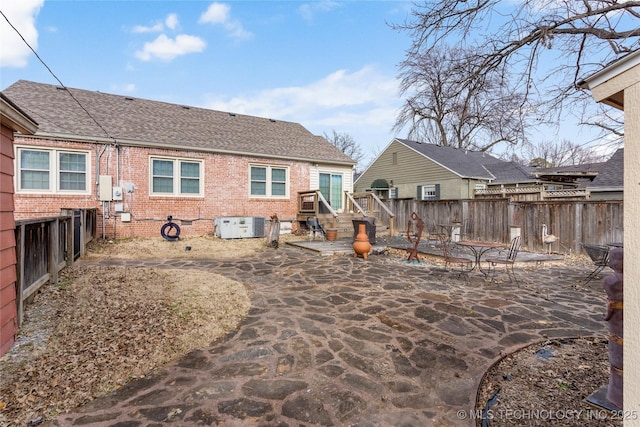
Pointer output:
x,y
156,28
309,10
171,21
166,49
123,88
363,104
220,14
217,13
22,15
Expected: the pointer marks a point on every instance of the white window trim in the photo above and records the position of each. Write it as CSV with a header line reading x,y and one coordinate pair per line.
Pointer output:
x,y
331,173
429,188
176,177
269,168
54,170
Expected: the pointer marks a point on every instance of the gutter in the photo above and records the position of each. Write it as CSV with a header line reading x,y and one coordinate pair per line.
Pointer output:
x,y
145,144
608,72
16,119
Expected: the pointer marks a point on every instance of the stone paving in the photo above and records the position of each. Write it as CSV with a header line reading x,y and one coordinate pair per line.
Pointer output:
x,y
337,341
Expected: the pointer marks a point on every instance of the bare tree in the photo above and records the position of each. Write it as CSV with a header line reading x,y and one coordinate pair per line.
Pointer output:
x,y
447,107
545,47
564,153
345,143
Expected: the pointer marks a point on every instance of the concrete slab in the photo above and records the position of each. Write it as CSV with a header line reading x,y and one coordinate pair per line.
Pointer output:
x,y
345,247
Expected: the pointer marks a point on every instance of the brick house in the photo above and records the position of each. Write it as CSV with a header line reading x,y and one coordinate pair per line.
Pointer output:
x,y
11,119
139,161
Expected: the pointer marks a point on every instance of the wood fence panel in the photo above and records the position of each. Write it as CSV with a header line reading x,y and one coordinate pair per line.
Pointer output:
x,y
573,221
488,220
36,253
44,246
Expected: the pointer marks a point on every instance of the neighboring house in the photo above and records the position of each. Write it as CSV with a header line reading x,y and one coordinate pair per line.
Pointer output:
x,y
11,119
411,169
139,161
575,175
609,184
526,183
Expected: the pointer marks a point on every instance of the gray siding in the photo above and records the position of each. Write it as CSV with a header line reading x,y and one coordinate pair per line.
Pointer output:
x,y
606,195
410,170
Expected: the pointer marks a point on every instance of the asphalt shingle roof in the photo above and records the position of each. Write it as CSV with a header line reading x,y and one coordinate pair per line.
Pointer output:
x,y
467,164
510,173
152,123
612,173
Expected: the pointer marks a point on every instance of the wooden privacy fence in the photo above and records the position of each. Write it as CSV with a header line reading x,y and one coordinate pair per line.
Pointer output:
x,y
573,221
44,246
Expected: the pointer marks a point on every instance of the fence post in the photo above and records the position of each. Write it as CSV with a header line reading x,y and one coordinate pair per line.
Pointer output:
x,y
83,231
577,223
20,272
54,226
69,230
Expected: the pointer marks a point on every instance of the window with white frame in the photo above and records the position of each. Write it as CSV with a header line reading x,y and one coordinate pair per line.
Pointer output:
x,y
51,170
177,177
268,181
429,192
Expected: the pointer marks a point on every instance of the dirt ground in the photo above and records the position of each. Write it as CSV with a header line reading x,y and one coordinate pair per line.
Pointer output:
x,y
98,328
547,384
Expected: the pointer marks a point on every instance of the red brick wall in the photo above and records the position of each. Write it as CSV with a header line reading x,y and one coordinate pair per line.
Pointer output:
x,y
8,312
226,193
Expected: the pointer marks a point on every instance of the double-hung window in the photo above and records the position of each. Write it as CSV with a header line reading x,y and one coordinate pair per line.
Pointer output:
x,y
268,181
176,177
48,170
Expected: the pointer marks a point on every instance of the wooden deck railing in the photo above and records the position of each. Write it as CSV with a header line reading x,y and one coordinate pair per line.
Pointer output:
x,y
313,202
532,189
369,204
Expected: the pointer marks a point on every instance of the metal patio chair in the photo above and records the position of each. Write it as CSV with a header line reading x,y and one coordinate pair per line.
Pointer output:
x,y
599,255
433,232
450,259
508,260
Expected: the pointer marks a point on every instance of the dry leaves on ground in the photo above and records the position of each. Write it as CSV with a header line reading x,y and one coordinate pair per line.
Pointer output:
x,y
547,384
99,327
188,247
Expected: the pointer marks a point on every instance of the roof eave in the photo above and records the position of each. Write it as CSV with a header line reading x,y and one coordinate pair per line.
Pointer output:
x,y
484,178
607,73
13,117
147,144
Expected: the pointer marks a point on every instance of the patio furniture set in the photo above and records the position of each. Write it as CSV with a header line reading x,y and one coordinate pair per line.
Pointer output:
x,y
495,253
466,253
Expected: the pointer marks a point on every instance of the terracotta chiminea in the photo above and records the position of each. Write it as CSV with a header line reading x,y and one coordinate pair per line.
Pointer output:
x,y
361,245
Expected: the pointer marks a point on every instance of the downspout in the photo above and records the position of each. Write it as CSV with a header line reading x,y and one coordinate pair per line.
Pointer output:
x,y
98,158
115,219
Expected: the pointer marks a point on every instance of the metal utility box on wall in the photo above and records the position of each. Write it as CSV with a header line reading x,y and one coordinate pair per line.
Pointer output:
x,y
117,193
106,188
239,227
